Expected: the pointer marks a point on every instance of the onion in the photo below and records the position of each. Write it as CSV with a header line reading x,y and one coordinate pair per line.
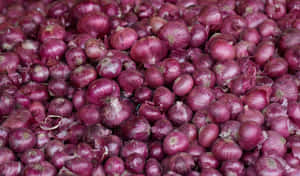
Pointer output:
x,y
175,142
268,165
199,98
183,84
176,33
123,39
100,89
275,144
285,88
226,150
221,50
250,133
129,80
179,159
115,111
136,128
94,24
208,134
179,113
148,50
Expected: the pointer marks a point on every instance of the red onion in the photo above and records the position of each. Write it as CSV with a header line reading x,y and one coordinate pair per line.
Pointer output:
x,y
153,167
43,168
169,11
161,128
136,128
134,147
204,77
163,97
199,98
12,168
175,142
100,89
149,88
285,88
6,155
154,77
21,139
226,150
268,165
210,15
250,35
52,51
176,161
83,76
208,134
176,33
129,80
199,35
276,67
233,25
219,111
179,113
275,144
207,160
123,39
61,107
8,62
293,112
230,130
221,50
115,111
94,24
292,56
95,49
183,84
233,167
75,57
250,133
249,115
171,69
226,71
258,98
148,50
149,111
109,67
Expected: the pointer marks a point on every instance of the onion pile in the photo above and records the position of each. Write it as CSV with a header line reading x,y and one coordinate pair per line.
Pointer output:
x,y
149,88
